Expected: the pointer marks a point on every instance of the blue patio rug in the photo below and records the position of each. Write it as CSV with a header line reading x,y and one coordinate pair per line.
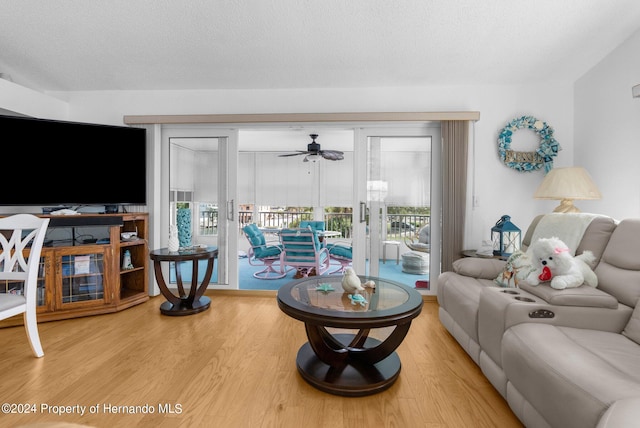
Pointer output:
x,y
389,270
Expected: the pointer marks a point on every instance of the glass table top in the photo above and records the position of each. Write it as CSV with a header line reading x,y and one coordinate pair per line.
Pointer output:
x,y
323,296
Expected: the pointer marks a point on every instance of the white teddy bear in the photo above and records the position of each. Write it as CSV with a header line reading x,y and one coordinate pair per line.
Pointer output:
x,y
553,261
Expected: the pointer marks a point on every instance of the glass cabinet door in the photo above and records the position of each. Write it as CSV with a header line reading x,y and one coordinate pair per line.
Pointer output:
x,y
17,287
81,277
41,296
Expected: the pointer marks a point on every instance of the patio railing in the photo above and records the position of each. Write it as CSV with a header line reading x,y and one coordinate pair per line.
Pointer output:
x,y
208,223
399,226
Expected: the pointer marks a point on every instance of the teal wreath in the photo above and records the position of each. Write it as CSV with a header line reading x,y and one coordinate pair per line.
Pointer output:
x,y
528,161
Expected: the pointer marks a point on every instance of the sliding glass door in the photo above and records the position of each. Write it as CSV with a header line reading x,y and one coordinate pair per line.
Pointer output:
x,y
378,198
398,182
201,192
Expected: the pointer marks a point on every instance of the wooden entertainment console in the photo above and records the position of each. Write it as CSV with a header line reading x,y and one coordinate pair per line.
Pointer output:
x,y
85,276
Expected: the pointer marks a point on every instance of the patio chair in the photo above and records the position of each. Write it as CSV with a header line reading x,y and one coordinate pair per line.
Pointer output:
x,y
316,226
341,252
263,253
304,252
422,243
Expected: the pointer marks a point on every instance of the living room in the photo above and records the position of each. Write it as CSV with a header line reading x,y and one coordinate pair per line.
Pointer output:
x,y
580,87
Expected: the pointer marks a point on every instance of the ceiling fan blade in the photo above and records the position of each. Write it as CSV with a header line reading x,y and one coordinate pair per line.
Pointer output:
x,y
333,155
294,154
313,151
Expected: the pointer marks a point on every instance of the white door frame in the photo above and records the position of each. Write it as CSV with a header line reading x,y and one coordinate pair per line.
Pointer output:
x,y
360,245
228,264
227,211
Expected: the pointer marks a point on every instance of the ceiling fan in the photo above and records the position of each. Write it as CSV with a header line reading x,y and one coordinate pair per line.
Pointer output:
x,y
313,152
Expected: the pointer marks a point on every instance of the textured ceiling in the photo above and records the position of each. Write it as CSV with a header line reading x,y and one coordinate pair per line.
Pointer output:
x,y
209,44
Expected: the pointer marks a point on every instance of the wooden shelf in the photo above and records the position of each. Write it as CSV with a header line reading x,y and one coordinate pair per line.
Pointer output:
x,y
101,286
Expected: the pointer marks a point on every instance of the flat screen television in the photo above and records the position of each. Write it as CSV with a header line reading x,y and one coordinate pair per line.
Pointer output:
x,y
53,163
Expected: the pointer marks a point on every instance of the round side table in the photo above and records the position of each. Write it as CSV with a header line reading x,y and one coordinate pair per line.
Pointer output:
x,y
184,304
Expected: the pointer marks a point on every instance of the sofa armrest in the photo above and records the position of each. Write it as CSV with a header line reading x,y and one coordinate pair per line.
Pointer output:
x,y
584,296
501,308
621,414
479,268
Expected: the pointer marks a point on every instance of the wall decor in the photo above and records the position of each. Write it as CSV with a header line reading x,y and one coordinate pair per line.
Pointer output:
x,y
528,161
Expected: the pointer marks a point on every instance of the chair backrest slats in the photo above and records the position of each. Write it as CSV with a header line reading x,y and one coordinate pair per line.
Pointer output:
x,y
21,240
302,249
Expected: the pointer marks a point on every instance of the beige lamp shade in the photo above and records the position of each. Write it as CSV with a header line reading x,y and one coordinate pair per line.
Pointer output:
x,y
566,185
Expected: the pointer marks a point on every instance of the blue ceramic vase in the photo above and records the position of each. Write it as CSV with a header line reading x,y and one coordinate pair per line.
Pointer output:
x,y
184,227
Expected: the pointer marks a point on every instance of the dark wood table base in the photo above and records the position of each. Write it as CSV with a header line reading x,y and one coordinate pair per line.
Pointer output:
x,y
354,361
183,303
185,307
355,378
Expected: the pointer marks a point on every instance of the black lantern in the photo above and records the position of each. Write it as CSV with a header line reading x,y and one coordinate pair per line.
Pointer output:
x,y
506,237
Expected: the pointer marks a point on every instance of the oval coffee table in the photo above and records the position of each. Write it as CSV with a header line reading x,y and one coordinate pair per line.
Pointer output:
x,y
341,357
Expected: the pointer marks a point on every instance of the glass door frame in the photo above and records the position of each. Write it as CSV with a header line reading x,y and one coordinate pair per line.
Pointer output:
x,y
361,203
228,266
227,190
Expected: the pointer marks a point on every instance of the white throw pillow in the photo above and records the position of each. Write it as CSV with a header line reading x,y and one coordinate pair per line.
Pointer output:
x,y
518,267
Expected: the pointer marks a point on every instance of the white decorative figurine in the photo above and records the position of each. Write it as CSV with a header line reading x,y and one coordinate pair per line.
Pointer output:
x,y
126,261
351,282
174,243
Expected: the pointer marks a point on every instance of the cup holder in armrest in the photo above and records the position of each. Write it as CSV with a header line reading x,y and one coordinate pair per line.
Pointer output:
x,y
510,291
524,299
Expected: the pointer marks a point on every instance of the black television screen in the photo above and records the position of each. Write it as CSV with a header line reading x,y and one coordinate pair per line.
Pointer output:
x,y
51,163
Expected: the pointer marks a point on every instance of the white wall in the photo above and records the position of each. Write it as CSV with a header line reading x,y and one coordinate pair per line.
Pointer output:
x,y
607,130
16,99
497,189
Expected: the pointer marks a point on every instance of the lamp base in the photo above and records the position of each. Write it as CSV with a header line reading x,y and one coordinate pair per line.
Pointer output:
x,y
566,206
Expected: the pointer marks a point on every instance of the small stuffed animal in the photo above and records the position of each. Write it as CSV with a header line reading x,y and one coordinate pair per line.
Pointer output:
x,y
554,262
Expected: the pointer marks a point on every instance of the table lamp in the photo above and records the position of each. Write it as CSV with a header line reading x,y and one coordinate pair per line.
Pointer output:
x,y
567,184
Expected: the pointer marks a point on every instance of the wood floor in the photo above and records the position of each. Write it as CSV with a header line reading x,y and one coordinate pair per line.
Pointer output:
x,y
231,366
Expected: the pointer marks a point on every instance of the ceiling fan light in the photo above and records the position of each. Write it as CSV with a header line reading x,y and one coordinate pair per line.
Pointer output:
x,y
314,154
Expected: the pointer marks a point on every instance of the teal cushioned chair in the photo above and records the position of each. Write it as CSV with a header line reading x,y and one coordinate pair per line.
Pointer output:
x,y
341,252
303,251
263,253
316,226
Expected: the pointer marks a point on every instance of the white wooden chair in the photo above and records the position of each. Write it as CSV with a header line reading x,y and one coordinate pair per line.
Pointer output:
x,y
21,239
